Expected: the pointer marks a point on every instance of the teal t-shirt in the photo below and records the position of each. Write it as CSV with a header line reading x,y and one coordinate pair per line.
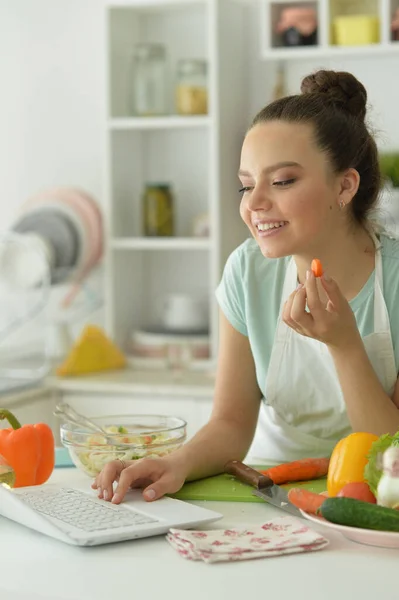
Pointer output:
x,y
251,287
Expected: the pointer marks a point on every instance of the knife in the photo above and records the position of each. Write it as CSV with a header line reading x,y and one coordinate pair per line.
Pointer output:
x,y
265,488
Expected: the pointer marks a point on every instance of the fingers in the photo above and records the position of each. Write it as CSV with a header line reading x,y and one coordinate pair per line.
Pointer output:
x,y
103,483
333,292
299,316
312,295
287,309
318,312
167,484
294,312
145,471
157,476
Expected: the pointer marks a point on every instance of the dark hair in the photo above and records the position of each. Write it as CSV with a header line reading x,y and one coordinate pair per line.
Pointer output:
x,y
335,104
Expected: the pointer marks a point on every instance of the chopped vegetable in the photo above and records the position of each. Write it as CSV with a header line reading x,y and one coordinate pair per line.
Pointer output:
x,y
28,449
317,267
373,470
299,470
96,452
355,513
348,460
306,500
358,490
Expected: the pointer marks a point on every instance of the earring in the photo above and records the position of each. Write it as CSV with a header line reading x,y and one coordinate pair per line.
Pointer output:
x,y
342,204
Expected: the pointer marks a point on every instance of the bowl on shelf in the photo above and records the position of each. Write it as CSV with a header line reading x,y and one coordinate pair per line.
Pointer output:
x,y
128,437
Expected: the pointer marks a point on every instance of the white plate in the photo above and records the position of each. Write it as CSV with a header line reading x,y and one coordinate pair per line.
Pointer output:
x,y
74,218
370,537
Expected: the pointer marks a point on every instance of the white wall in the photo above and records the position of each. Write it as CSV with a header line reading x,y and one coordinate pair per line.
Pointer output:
x,y
379,76
52,95
52,98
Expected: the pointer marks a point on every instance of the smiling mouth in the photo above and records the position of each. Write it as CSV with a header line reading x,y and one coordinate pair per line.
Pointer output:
x,y
270,226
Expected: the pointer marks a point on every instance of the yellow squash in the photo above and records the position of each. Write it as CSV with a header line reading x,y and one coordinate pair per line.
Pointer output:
x,y
348,460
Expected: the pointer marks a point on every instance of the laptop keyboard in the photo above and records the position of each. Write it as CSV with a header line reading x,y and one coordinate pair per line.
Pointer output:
x,y
81,511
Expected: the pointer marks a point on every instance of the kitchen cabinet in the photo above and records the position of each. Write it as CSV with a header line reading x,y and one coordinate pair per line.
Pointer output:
x,y
197,155
326,11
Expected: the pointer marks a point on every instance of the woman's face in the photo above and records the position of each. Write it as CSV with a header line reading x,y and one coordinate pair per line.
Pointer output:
x,y
290,199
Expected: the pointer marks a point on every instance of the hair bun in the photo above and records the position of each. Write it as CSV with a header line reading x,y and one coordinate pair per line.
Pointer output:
x,y
342,88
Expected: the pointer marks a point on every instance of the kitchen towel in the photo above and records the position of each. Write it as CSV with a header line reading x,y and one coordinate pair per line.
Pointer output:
x,y
284,535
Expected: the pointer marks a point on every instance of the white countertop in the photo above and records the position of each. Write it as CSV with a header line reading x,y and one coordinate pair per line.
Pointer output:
x,y
34,566
154,383
36,392
139,381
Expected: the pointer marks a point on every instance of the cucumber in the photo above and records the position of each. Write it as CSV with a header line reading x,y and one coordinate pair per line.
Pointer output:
x,y
356,513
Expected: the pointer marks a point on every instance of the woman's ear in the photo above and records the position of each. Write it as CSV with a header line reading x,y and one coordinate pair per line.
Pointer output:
x,y
348,186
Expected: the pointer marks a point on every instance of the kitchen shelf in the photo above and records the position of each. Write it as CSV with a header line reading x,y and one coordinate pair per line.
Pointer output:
x,y
161,244
319,52
198,156
272,46
148,6
167,122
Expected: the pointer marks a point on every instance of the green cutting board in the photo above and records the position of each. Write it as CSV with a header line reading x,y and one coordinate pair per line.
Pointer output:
x,y
226,488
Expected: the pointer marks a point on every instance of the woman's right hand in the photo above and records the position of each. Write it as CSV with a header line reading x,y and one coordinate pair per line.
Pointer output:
x,y
158,476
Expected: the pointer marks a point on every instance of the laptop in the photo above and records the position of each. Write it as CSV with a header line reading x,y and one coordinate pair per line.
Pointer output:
x,y
76,516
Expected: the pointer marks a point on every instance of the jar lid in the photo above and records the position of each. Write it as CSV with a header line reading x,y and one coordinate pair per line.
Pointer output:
x,y
158,186
149,50
189,66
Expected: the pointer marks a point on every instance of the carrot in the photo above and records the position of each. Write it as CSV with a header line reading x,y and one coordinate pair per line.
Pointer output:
x,y
317,267
306,500
299,470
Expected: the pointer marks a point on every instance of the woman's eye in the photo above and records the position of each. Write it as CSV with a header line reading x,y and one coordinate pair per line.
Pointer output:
x,y
244,189
284,183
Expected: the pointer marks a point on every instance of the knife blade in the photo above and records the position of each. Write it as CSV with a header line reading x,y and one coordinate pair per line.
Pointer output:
x,y
265,488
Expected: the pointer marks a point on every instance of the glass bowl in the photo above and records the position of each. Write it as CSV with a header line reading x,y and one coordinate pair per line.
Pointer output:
x,y
128,437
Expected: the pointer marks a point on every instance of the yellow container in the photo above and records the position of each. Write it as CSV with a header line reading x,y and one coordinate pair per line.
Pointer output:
x,y
356,30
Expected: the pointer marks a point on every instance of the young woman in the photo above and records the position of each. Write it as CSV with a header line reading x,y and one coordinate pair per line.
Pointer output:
x,y
303,361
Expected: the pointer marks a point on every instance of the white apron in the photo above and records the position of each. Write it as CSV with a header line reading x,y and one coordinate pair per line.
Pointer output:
x,y
304,413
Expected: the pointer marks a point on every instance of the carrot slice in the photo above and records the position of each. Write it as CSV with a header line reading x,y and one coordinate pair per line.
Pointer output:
x,y
303,469
306,500
317,267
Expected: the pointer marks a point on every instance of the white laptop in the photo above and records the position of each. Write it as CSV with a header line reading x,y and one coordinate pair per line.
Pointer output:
x,y
76,516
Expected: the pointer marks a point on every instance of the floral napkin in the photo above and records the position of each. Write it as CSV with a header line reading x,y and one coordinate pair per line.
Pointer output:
x,y
284,535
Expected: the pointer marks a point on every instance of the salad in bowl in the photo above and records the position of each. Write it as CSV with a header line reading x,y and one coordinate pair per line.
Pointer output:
x,y
126,437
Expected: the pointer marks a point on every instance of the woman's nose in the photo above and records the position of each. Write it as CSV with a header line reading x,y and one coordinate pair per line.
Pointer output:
x,y
259,200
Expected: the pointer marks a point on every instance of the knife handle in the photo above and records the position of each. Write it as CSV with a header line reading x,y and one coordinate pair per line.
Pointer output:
x,y
247,474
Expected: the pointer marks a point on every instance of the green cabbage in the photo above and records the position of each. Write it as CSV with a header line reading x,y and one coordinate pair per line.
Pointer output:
x,y
372,471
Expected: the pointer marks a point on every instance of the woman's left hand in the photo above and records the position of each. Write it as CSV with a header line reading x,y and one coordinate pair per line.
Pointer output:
x,y
332,322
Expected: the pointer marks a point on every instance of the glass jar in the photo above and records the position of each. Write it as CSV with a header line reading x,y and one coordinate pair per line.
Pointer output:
x,y
148,85
192,92
158,210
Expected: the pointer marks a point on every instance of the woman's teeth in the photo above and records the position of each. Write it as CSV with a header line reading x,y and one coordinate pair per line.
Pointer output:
x,y
267,226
